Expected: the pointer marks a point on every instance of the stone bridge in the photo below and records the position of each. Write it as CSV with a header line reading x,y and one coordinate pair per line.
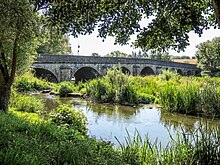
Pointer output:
x,y
58,68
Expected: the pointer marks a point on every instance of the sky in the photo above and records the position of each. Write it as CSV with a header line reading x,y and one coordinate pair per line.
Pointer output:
x,y
92,44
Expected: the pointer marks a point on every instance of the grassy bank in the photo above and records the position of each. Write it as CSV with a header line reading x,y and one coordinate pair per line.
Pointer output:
x,y
27,139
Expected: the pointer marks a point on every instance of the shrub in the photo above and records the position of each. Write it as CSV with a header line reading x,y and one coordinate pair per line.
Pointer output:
x,y
68,117
65,88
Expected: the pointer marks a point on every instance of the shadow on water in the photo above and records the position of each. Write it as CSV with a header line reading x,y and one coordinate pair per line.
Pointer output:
x,y
108,121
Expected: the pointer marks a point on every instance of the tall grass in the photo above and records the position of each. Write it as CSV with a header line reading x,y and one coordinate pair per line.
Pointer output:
x,y
114,87
25,103
200,147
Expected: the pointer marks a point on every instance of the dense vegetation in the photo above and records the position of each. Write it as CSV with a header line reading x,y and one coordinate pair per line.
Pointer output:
x,y
187,95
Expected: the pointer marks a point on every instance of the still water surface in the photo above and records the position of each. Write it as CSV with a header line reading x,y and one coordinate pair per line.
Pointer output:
x,y
108,121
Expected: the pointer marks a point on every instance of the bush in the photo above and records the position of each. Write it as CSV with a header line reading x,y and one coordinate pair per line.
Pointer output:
x,y
21,102
68,117
65,88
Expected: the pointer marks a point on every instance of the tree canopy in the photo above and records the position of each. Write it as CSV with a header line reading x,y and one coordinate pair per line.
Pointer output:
x,y
117,53
208,56
55,44
171,23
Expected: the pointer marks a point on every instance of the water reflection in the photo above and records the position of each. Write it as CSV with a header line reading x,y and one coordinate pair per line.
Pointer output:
x,y
107,121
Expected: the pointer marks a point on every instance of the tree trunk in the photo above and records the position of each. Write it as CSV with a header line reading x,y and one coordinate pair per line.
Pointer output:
x,y
5,93
216,6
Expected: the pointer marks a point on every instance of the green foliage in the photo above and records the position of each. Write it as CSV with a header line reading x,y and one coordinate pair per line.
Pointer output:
x,y
198,147
68,117
167,75
117,53
56,44
208,56
195,96
166,29
28,82
159,55
65,88
178,98
209,99
21,102
45,143
114,87
21,26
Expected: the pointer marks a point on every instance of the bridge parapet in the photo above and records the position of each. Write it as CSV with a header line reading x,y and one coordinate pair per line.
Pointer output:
x,y
107,60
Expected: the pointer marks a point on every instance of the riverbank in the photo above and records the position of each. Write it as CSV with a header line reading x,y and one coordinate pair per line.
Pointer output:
x,y
174,93
26,138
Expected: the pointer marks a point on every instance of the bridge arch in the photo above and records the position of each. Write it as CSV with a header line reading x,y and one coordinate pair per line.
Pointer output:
x,y
189,73
85,74
179,71
45,74
125,70
147,71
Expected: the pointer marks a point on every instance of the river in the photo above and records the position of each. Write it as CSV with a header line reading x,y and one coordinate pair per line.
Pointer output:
x,y
108,121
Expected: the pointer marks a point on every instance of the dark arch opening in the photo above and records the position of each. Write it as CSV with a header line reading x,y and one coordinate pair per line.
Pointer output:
x,y
125,70
189,73
86,73
45,74
179,71
147,71
197,73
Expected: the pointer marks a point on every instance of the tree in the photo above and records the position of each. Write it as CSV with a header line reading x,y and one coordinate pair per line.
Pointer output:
x,y
117,53
208,56
55,44
159,55
18,30
172,21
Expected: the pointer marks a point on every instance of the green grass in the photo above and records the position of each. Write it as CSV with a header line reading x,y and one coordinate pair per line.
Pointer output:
x,y
26,142
30,140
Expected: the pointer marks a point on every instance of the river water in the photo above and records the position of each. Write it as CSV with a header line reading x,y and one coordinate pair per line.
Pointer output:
x,y
108,121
